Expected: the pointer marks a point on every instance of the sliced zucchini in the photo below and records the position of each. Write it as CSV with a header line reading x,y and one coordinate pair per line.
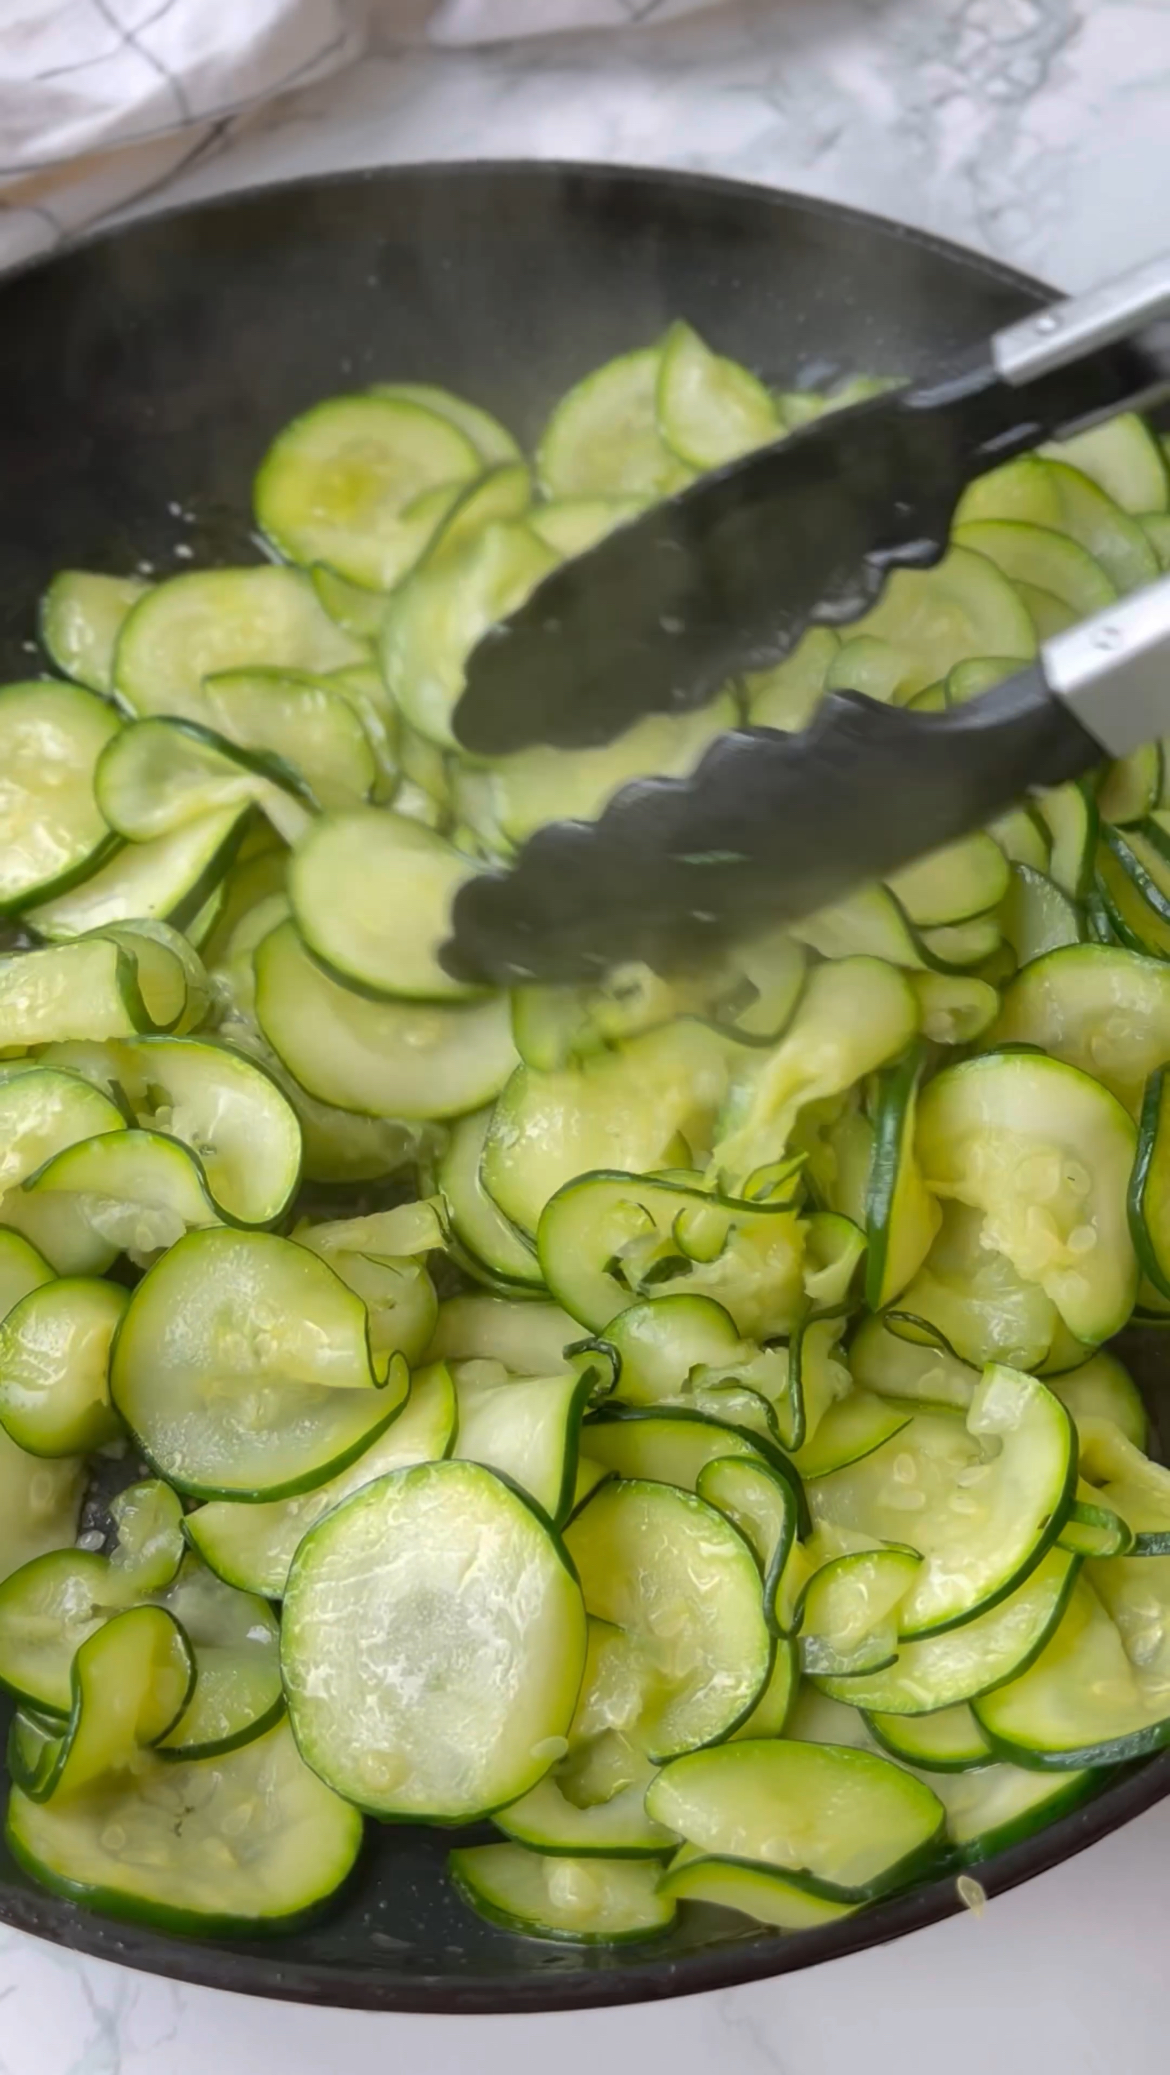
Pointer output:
x,y
1037,916
492,441
1039,556
492,1241
763,1506
1096,1006
938,1671
572,525
380,1059
341,484
228,1110
529,1339
669,1445
48,1608
608,1237
528,1428
971,1298
710,410
1045,1153
248,1844
854,1014
192,626
603,439
372,895
167,879
451,1707
755,1891
845,1825
893,1367
131,1679
573,1901
41,1113
132,1191
981,1506
665,1342
81,618
1069,814
235,1638
242,1369
995,1806
938,617
848,1613
55,1365
39,1504
950,1741
355,607
382,1258
534,786
1149,1188
547,1821
1083,1701
786,696
684,1585
1132,786
1102,1388
52,832
902,1217
631,1105
309,723
437,616
1124,458
148,1521
87,991
252,1546
954,884
847,1431
158,775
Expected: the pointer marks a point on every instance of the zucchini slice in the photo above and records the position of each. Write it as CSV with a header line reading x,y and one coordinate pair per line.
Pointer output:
x,y
413,1687
128,1191
938,617
87,991
629,1106
854,1015
252,1546
55,1366
574,1901
235,1639
1102,1388
167,879
710,410
994,1806
526,1427
950,1741
496,1248
40,1502
530,1339
243,1370
960,1663
683,1584
81,617
1124,458
372,894
1038,916
245,1845
379,1059
228,1110
341,484
192,626
970,1297
533,786
158,775
1045,1153
844,1825
608,1237
52,831
1149,1188
1083,1702
755,1891
1042,558
981,1504
309,724
492,441
902,1217
763,1506
921,1372
848,1614
1098,1007
545,1820
603,439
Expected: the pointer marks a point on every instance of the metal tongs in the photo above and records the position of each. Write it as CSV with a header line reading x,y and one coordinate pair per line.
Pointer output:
x,y
727,576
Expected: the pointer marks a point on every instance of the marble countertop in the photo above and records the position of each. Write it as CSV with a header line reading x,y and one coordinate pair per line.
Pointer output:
x,y
1040,131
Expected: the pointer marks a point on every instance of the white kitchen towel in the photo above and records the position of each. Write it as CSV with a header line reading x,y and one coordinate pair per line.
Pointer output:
x,y
103,101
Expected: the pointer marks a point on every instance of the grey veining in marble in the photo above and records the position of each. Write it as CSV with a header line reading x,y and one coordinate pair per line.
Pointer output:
x,y
1040,130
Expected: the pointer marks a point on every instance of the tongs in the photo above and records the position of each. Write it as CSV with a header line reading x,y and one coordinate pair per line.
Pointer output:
x,y
727,576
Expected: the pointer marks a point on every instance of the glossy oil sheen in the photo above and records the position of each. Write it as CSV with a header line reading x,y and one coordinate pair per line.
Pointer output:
x,y
155,366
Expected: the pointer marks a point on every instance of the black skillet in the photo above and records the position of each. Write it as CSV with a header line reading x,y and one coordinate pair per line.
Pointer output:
x,y
147,371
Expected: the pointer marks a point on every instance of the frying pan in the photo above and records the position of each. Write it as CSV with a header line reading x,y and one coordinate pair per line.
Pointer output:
x,y
140,380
